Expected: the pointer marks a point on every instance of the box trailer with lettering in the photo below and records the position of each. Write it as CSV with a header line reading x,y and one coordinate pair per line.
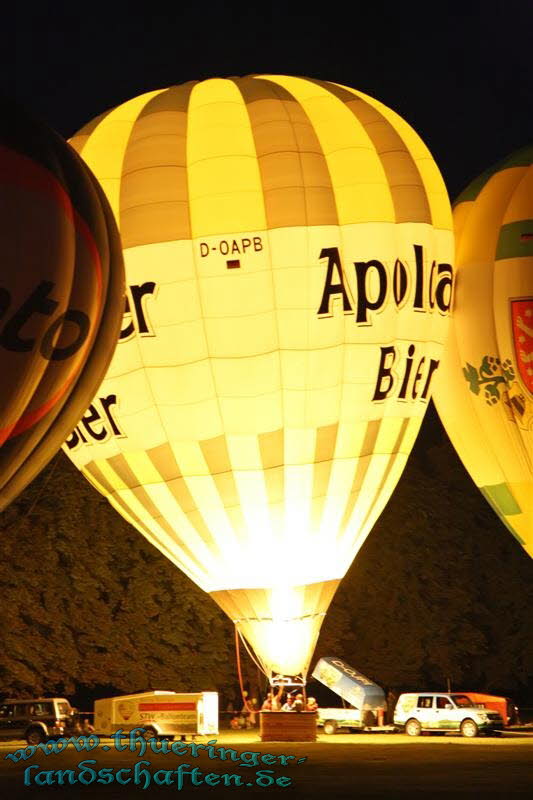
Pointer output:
x,y
159,713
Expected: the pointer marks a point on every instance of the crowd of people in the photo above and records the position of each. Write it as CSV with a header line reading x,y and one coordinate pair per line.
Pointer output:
x,y
294,701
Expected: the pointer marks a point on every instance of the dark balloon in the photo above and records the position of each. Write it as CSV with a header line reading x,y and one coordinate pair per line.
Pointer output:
x,y
61,294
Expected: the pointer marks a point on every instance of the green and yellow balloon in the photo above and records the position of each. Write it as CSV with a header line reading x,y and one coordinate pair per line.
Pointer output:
x,y
484,388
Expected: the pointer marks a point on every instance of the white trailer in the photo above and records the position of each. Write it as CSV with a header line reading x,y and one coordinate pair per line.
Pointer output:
x,y
160,713
334,718
366,700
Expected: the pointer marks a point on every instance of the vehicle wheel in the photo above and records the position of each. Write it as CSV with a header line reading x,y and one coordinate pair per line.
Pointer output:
x,y
413,727
150,733
35,736
469,728
330,726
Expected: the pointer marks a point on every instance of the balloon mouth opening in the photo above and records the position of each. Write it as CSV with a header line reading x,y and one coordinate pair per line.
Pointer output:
x,y
279,627
282,645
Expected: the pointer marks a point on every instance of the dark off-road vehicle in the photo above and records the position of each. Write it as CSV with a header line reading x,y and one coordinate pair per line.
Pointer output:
x,y
36,720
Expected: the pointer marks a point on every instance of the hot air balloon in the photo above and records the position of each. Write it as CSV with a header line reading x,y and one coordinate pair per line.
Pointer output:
x,y
484,389
61,294
288,247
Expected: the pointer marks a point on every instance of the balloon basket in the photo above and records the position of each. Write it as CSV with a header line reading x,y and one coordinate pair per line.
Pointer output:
x,y
287,726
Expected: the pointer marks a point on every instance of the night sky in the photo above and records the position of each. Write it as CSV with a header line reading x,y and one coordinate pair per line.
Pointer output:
x,y
460,73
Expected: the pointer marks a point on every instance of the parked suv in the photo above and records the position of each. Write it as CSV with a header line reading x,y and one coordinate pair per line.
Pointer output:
x,y
35,720
439,711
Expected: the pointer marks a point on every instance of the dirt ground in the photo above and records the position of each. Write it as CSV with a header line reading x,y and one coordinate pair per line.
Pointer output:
x,y
341,766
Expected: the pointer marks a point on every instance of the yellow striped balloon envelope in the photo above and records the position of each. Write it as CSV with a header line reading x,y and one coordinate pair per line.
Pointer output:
x,y
288,247
484,390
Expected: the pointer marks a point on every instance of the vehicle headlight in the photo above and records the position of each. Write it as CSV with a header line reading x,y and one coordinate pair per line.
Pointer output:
x,y
483,717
